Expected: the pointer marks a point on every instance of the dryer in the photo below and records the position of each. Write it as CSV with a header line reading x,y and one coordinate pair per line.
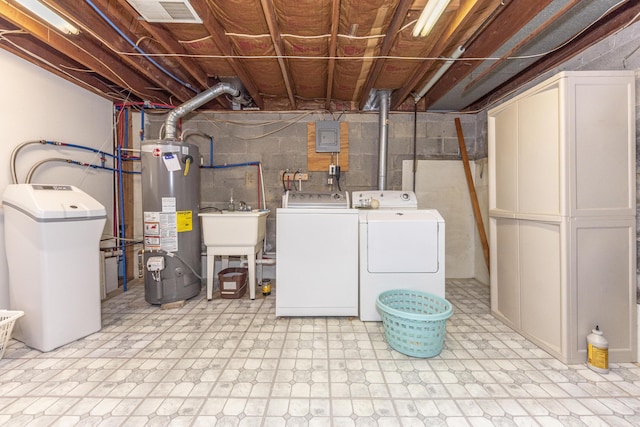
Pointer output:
x,y
400,247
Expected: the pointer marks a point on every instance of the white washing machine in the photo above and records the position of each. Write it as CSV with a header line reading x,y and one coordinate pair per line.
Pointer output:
x,y
401,247
316,255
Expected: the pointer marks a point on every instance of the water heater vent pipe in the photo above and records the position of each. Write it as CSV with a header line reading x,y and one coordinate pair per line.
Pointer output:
x,y
384,105
171,124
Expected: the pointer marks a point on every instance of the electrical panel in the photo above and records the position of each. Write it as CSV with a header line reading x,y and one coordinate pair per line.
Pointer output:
x,y
327,136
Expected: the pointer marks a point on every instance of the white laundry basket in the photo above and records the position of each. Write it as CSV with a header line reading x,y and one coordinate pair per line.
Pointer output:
x,y
7,320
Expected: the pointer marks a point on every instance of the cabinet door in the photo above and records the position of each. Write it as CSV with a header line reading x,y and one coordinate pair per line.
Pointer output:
x,y
539,153
541,285
503,143
603,290
604,147
505,282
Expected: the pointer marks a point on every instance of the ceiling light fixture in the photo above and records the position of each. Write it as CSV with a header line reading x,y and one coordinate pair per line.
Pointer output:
x,y
429,16
48,15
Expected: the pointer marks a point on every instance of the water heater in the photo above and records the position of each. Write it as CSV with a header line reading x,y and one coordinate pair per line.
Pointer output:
x,y
170,204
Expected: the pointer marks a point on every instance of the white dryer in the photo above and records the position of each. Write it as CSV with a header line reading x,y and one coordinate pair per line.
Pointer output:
x,y
401,247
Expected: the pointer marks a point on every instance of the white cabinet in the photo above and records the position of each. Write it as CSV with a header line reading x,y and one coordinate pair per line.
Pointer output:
x,y
562,205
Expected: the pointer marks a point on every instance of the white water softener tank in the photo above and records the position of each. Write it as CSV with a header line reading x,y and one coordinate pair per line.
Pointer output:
x,y
170,204
52,236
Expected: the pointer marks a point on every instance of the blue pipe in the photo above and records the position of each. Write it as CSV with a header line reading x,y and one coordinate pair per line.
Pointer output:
x,y
75,162
121,228
82,147
135,46
210,151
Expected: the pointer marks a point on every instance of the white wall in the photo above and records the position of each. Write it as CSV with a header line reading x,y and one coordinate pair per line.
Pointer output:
x,y
41,106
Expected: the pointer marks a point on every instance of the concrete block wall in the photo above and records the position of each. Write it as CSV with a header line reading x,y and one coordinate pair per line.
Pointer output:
x,y
279,142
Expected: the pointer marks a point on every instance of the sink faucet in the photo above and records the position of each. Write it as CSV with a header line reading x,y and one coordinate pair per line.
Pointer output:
x,y
243,207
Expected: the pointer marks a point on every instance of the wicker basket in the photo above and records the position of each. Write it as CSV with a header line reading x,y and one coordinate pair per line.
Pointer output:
x,y
415,323
7,320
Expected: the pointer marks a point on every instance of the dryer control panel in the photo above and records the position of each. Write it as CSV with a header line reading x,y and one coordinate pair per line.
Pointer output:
x,y
384,199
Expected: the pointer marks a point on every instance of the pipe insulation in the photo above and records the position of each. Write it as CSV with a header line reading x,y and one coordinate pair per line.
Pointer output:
x,y
384,105
171,124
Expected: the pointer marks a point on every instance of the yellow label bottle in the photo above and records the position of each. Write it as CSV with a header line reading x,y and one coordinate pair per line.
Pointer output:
x,y
266,287
597,351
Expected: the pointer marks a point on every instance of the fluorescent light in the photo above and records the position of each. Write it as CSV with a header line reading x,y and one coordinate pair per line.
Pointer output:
x,y
429,16
49,16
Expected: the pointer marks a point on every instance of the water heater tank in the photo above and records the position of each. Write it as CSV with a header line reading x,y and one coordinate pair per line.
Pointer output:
x,y
170,204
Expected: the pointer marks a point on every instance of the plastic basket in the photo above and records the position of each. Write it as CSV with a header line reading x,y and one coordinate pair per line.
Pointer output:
x,y
233,282
7,320
414,322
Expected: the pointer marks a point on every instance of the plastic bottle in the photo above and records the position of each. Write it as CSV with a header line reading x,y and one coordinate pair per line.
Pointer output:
x,y
597,351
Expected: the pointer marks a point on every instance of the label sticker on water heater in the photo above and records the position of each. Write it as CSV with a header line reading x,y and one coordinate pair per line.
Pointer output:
x,y
171,162
160,231
168,204
185,221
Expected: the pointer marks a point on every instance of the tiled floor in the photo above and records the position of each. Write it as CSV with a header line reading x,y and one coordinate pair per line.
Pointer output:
x,y
232,363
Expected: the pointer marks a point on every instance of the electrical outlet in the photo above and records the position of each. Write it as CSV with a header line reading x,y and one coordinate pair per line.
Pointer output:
x,y
249,178
295,176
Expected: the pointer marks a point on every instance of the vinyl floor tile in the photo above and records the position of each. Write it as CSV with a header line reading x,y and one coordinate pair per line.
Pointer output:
x,y
233,363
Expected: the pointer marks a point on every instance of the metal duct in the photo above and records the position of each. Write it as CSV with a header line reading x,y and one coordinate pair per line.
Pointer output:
x,y
171,124
384,104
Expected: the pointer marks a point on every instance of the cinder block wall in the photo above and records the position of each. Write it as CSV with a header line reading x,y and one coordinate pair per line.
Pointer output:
x,y
279,142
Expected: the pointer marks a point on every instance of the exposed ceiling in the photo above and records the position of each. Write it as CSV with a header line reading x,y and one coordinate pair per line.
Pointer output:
x,y
309,54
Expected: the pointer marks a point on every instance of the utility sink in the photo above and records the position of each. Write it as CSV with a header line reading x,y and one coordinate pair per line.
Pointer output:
x,y
234,228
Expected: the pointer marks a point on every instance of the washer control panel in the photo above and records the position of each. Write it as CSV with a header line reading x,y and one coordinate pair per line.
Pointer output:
x,y
315,200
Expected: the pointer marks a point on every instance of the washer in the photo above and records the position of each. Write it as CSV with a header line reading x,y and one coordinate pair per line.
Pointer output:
x,y
401,247
316,256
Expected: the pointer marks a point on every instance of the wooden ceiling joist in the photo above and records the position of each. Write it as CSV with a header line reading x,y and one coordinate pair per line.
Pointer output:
x,y
507,23
84,51
95,25
276,39
219,38
270,48
333,46
162,36
608,25
444,47
395,25
523,43
31,49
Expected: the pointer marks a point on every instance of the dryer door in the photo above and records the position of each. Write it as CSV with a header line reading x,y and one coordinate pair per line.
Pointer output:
x,y
402,241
